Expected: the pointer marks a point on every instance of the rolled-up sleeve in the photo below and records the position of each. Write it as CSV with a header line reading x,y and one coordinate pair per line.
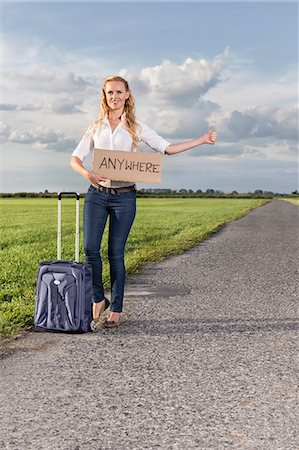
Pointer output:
x,y
85,145
151,138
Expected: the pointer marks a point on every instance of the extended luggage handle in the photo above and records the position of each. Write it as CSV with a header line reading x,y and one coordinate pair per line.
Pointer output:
x,y
60,194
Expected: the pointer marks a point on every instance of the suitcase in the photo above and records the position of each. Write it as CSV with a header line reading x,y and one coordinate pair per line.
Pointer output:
x,y
64,288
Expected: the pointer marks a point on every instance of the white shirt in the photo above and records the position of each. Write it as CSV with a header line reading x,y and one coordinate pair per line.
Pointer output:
x,y
120,139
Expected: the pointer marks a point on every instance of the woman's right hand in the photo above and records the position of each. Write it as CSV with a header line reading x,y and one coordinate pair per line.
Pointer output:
x,y
95,178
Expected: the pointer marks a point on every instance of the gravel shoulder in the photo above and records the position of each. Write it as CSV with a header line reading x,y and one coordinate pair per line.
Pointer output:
x,y
206,357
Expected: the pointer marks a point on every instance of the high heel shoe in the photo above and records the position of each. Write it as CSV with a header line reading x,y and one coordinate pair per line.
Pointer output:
x,y
96,322
111,323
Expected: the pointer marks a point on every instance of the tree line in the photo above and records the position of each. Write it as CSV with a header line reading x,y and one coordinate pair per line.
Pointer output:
x,y
181,193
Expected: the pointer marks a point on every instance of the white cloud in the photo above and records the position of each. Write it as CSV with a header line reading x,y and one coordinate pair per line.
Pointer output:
x,y
180,101
50,81
60,105
42,138
258,123
179,122
64,105
243,87
178,84
4,131
29,53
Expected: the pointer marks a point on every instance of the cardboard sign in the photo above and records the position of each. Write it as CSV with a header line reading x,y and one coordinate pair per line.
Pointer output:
x,y
119,165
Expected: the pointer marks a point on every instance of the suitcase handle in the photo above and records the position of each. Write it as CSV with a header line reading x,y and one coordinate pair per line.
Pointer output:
x,y
60,194
61,261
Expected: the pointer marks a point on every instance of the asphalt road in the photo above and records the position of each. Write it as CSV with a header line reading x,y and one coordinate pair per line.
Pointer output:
x,y
206,357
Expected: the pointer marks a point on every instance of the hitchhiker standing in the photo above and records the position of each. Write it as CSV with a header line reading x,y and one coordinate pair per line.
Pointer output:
x,y
116,129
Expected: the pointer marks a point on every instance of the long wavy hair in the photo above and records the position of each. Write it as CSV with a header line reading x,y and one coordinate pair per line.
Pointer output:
x,y
129,109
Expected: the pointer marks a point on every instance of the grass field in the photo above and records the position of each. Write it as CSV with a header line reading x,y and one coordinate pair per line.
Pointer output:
x,y
295,201
29,231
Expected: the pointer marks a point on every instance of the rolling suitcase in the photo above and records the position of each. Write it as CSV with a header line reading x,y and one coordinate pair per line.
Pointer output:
x,y
64,288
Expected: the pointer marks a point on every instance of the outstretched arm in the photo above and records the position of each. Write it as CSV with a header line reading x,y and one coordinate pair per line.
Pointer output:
x,y
210,137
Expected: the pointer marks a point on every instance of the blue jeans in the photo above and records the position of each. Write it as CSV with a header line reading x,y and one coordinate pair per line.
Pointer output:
x,y
121,209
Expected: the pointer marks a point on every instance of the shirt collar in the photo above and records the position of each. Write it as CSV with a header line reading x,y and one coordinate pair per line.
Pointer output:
x,y
123,118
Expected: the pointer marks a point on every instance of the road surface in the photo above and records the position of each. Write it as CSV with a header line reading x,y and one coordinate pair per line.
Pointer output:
x,y
205,358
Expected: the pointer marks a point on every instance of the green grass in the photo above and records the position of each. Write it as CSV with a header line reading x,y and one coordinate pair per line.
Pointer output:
x,y
295,201
162,227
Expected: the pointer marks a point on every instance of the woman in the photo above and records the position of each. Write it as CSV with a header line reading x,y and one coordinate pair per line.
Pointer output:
x,y
117,129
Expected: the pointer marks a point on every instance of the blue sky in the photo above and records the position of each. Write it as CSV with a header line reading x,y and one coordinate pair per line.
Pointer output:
x,y
190,65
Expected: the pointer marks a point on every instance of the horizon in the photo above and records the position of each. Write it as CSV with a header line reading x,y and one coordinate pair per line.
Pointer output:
x,y
156,190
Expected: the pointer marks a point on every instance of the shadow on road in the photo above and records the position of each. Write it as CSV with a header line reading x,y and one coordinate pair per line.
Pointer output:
x,y
191,326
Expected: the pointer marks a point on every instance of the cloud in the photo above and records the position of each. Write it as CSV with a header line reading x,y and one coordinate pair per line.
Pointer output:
x,y
51,81
241,124
174,100
41,138
228,151
64,105
171,83
4,131
257,123
243,87
8,107
180,122
22,107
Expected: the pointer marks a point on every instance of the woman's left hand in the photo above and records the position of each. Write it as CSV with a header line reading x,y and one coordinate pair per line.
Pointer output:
x,y
210,137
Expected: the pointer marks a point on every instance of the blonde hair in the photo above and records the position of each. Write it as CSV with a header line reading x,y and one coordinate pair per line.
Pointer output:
x,y
129,109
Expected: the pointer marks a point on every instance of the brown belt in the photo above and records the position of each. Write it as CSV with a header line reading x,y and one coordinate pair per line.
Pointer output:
x,y
115,191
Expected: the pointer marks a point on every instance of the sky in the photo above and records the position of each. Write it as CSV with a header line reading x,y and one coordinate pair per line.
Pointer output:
x,y
193,65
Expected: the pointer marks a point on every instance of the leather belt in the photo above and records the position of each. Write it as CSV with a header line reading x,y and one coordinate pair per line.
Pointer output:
x,y
115,191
